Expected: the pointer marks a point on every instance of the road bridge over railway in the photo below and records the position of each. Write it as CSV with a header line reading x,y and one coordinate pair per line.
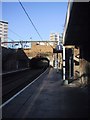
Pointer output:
x,y
44,48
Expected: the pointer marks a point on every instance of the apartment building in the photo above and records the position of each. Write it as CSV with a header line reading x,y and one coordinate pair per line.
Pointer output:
x,y
4,33
55,37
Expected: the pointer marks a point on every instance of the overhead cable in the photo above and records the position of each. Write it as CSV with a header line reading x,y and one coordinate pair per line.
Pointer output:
x,y
14,33
32,22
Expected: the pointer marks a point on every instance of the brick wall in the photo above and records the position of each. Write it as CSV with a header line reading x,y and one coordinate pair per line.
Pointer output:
x,y
44,50
37,49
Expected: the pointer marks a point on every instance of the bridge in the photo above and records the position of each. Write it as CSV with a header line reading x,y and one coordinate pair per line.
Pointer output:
x,y
18,41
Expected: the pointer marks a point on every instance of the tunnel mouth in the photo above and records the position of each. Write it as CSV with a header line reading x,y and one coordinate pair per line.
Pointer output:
x,y
39,62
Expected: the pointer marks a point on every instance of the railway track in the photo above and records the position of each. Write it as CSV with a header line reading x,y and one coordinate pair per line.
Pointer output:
x,y
12,83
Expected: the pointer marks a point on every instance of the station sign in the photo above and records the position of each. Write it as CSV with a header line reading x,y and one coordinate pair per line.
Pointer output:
x,y
58,49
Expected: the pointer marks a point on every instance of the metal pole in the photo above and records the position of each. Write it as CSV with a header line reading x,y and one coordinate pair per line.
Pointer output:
x,y
57,62
73,61
70,67
63,62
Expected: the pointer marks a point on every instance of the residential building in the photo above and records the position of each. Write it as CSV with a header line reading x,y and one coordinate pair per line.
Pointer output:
x,y
4,33
56,37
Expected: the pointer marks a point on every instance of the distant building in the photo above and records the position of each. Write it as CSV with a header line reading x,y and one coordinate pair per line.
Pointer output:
x,y
55,37
4,33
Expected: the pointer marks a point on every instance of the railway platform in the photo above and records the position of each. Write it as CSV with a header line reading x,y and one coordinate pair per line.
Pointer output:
x,y
48,98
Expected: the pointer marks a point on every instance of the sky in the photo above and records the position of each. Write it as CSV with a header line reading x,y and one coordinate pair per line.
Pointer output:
x,y
48,17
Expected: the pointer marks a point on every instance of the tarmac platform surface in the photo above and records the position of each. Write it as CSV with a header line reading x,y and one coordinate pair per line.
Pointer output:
x,y
48,98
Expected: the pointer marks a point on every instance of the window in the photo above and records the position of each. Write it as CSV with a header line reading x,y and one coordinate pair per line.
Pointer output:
x,y
5,28
5,35
5,31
